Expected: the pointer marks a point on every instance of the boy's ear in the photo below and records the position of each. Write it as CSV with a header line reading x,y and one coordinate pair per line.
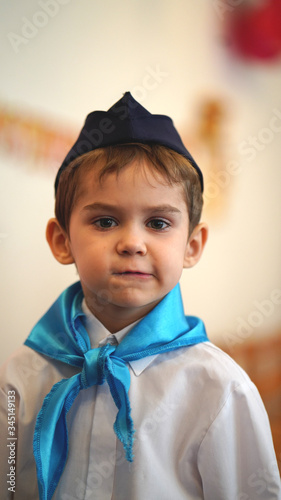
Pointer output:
x,y
195,245
58,242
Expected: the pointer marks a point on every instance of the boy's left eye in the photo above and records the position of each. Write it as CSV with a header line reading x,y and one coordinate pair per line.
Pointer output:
x,y
158,224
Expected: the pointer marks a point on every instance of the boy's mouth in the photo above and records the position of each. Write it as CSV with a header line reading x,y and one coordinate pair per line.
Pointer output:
x,y
133,273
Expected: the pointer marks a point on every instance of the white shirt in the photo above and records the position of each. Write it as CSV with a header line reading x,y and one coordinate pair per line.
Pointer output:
x,y
201,429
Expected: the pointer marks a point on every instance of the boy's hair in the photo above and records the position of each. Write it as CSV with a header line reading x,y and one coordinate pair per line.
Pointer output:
x,y
174,168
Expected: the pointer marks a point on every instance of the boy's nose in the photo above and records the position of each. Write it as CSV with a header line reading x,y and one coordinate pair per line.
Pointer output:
x,y
131,243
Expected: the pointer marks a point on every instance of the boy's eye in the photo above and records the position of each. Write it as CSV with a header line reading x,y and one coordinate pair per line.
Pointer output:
x,y
105,223
158,224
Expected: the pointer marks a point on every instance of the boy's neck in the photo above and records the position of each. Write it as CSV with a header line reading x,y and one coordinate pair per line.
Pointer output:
x,y
115,318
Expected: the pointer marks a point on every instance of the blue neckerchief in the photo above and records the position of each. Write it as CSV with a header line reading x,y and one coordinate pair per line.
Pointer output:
x,y
60,334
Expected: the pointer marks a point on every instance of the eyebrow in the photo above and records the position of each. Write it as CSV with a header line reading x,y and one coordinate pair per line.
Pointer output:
x,y
166,208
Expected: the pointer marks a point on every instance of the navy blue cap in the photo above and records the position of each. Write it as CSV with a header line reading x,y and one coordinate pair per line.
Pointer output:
x,y
124,123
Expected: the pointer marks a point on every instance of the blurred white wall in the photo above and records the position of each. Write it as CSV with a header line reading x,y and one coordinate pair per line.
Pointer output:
x,y
82,56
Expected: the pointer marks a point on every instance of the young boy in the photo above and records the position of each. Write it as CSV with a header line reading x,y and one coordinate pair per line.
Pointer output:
x,y
125,397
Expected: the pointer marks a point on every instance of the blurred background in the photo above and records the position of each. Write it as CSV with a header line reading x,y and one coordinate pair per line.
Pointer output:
x,y
215,68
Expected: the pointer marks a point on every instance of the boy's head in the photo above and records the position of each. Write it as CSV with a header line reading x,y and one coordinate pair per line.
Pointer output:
x,y
127,131
127,215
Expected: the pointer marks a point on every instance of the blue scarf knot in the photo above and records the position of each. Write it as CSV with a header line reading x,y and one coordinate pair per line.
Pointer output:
x,y
93,366
60,334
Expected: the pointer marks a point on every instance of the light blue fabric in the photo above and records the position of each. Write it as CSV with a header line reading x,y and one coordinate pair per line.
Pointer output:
x,y
60,334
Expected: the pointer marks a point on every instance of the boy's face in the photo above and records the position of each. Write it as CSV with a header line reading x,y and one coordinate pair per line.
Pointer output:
x,y
128,237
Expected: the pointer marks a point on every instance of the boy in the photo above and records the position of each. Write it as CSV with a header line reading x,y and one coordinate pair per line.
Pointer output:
x,y
127,399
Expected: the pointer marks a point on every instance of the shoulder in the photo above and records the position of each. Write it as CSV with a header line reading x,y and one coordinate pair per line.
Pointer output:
x,y
208,361
221,371
206,373
225,387
27,371
216,364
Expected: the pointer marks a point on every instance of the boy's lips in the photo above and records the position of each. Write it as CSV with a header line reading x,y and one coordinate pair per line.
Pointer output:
x,y
132,273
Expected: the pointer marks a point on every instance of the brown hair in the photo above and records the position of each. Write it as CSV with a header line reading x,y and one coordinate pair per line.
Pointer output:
x,y
174,167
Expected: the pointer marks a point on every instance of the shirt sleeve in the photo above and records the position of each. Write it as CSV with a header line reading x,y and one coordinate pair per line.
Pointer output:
x,y
25,379
18,409
236,457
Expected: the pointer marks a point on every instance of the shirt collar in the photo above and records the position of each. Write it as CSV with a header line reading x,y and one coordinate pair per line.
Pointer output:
x,y
99,336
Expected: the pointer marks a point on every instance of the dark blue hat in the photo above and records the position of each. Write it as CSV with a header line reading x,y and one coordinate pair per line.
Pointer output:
x,y
126,122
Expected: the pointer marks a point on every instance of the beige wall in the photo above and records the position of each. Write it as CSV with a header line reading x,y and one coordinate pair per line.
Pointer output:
x,y
169,55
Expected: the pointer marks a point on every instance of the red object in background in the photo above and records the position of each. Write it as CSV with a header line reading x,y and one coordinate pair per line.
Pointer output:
x,y
255,30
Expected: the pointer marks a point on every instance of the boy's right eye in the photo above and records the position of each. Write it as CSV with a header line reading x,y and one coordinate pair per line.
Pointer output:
x,y
105,223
